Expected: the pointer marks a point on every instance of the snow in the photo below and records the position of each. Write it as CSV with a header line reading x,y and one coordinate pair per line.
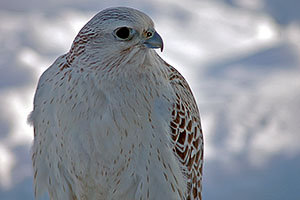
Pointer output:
x,y
241,58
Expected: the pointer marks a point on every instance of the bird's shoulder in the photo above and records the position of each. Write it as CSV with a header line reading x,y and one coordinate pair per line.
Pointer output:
x,y
51,79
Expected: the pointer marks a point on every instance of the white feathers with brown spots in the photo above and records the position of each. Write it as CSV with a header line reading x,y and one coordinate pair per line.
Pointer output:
x,y
113,121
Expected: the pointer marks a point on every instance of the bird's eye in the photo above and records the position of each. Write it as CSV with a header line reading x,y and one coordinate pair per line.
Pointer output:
x,y
149,34
123,33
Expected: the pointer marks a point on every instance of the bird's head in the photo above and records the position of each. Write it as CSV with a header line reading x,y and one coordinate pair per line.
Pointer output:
x,y
116,30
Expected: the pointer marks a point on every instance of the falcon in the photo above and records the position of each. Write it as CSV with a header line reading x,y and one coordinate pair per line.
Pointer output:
x,y
112,120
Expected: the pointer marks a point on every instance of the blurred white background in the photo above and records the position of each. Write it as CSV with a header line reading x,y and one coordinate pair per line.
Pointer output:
x,y
241,58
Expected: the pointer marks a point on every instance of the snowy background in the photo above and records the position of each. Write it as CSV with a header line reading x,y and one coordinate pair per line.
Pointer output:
x,y
241,58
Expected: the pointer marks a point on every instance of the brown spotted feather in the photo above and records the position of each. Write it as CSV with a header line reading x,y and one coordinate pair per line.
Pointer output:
x,y
186,134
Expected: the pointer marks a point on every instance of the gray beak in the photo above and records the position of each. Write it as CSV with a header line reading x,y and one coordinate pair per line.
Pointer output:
x,y
154,42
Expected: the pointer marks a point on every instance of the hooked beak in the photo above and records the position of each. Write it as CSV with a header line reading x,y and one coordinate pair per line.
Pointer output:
x,y
154,42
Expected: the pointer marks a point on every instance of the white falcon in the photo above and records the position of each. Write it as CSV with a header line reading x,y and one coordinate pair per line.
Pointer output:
x,y
112,120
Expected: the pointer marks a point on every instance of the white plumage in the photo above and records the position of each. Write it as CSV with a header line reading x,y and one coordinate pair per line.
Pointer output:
x,y
112,120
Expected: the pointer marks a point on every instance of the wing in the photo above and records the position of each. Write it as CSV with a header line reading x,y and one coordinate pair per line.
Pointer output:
x,y
186,134
47,152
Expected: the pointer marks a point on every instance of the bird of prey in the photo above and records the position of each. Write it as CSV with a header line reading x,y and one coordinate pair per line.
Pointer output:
x,y
112,120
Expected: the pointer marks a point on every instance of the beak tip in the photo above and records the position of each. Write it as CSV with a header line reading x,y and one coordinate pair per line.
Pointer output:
x,y
162,47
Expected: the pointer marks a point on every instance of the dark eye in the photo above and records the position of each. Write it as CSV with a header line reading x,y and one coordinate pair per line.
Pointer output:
x,y
149,34
123,33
